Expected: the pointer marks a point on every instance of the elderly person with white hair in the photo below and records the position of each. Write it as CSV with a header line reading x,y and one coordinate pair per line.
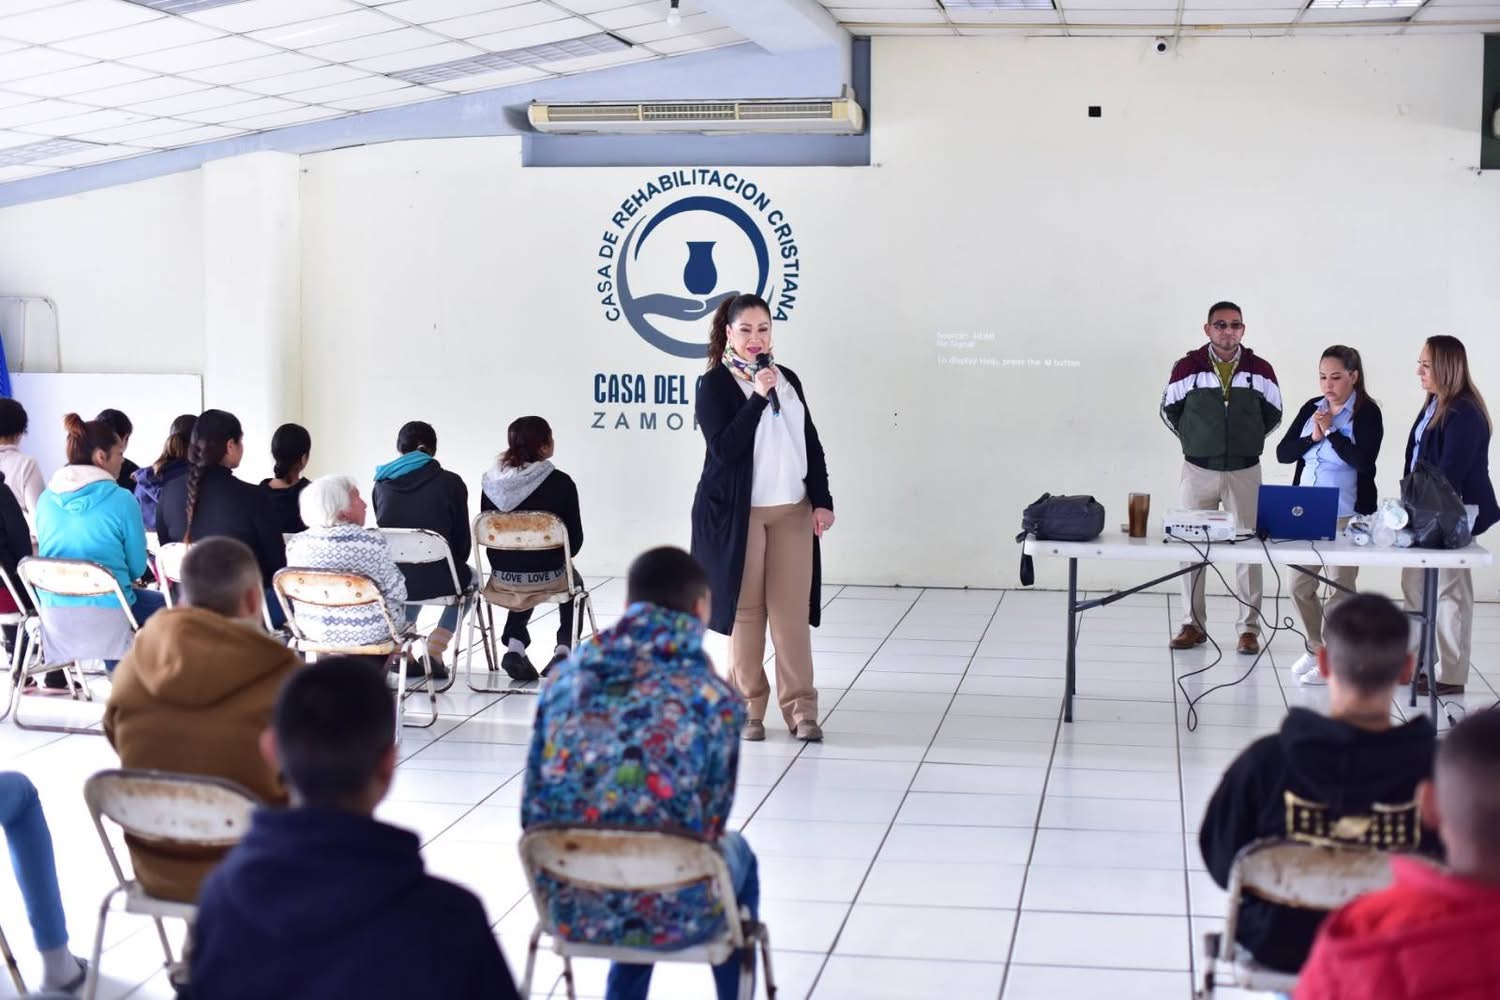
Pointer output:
x,y
336,539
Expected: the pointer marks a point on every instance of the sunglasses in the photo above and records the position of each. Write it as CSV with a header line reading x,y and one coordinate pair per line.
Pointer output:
x,y
1221,326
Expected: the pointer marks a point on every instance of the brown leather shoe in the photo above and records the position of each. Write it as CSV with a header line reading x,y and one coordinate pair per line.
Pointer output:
x,y
1443,690
1249,644
1190,636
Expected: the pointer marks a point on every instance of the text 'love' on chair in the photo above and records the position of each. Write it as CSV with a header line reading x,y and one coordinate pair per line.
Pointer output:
x,y
600,860
61,636
524,531
182,812
331,589
1286,873
423,546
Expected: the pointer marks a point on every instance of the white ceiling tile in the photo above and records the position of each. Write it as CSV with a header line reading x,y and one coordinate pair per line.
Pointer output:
x,y
370,46
521,16
9,140
897,15
322,77
389,99
192,136
680,44
930,31
344,91
152,36
1454,12
24,172
87,156
34,62
655,31
39,111
234,112
424,11
90,122
602,60
323,30
8,99
76,81
255,69
1200,17
485,81
216,97
630,17
1322,15
8,7
1157,17
537,34
151,89
69,20
599,6
981,18
133,134
883,4
430,56
214,53
284,118
246,17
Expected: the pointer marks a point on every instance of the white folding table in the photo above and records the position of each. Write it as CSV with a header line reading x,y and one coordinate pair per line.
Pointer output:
x,y
1303,557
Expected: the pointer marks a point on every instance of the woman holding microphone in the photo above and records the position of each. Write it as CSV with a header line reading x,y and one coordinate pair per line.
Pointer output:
x,y
1334,441
761,506
1453,433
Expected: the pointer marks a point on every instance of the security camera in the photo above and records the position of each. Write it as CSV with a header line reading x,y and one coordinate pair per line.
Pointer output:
x,y
1161,44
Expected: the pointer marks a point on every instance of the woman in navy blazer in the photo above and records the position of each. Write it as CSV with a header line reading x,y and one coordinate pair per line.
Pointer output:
x,y
1453,433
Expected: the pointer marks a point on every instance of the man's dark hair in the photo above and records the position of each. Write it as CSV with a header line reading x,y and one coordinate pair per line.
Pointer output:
x,y
1217,306
333,722
13,419
416,435
1367,637
1468,778
667,577
216,572
117,420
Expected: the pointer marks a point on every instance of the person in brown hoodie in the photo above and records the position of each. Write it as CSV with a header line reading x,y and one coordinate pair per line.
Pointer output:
x,y
194,694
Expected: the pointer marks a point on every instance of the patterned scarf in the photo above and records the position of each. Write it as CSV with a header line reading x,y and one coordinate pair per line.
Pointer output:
x,y
738,366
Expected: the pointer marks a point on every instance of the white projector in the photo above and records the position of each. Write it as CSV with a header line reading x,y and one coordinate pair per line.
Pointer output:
x,y
1200,525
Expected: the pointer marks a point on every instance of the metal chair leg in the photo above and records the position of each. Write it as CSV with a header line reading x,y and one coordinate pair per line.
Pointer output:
x,y
91,976
531,950
568,981
10,964
764,937
485,613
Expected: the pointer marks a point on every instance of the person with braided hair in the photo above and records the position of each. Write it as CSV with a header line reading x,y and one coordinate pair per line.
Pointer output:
x,y
209,501
291,449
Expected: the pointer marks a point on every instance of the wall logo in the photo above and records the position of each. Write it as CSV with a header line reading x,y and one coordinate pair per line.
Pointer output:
x,y
683,243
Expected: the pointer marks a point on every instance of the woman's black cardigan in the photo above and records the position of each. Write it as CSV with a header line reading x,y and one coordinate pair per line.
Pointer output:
x,y
1360,452
721,507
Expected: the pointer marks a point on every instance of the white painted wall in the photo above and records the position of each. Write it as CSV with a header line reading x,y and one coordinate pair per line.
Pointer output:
x,y
125,267
1328,184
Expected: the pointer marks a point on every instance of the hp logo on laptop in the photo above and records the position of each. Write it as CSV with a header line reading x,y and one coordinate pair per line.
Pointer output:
x,y
1298,511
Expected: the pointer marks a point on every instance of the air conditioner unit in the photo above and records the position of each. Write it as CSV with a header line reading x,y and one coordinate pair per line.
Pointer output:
x,y
833,116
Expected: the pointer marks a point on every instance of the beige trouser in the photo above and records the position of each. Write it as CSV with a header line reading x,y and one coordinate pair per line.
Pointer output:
x,y
1455,619
1239,492
777,584
1310,606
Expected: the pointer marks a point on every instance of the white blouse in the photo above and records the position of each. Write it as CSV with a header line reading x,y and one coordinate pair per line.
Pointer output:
x,y
780,449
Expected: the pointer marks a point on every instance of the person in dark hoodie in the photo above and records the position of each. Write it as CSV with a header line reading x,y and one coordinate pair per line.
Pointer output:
x,y
414,491
1349,778
291,450
194,694
171,464
524,478
322,900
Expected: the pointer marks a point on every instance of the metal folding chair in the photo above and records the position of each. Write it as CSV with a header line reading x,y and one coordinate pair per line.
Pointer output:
x,y
523,531
332,589
1287,873
60,637
598,860
423,546
11,966
20,620
169,575
159,808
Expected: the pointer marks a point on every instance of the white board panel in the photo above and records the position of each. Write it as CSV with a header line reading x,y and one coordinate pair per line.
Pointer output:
x,y
151,401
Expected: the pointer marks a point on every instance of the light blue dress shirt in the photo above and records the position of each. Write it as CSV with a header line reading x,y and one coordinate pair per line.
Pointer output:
x,y
1322,466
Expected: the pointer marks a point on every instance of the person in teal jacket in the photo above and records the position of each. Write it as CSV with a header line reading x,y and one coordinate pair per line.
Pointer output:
x,y
84,514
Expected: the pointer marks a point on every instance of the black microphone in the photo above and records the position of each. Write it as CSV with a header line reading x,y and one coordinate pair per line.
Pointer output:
x,y
762,362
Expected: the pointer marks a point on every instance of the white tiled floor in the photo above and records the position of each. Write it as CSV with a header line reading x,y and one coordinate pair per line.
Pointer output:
x,y
951,838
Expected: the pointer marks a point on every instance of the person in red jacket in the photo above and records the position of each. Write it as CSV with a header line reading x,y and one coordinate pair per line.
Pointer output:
x,y
1435,933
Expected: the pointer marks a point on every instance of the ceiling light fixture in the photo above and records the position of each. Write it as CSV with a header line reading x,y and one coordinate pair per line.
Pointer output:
x,y
47,149
674,16
530,56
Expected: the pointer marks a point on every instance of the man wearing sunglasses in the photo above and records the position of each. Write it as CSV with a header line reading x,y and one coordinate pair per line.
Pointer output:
x,y
1222,401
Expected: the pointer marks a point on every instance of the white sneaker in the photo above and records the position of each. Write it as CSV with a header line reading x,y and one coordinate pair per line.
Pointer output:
x,y
1312,679
1306,664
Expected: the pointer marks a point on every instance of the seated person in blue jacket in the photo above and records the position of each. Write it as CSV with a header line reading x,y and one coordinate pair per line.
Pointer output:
x,y
322,900
636,730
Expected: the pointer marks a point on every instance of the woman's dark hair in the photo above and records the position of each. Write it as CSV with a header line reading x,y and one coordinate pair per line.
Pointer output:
x,y
1354,365
207,448
724,317
13,419
118,420
290,444
175,447
527,437
87,437
416,435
